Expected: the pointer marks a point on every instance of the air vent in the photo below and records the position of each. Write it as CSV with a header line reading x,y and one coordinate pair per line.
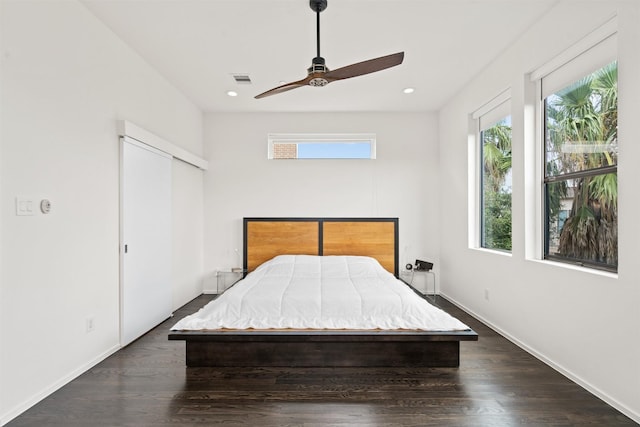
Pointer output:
x,y
242,79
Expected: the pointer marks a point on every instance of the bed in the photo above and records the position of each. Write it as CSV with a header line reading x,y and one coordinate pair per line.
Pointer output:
x,y
281,331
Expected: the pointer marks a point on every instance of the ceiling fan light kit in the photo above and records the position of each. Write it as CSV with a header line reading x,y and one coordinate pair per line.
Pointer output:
x,y
318,69
318,74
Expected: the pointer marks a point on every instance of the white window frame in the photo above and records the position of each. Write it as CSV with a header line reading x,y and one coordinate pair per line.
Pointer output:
x,y
483,117
332,138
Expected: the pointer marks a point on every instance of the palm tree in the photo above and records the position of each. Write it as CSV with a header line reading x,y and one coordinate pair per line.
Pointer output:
x,y
496,153
582,124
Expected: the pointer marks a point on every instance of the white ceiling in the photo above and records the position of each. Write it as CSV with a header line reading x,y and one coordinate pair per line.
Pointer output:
x,y
198,45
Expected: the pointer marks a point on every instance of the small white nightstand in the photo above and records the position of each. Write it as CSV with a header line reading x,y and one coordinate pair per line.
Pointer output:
x,y
227,278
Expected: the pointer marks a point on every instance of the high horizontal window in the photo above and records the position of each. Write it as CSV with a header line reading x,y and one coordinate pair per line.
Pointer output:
x,y
580,161
316,146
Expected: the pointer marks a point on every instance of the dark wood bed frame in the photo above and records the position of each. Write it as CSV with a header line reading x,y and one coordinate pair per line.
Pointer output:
x,y
265,238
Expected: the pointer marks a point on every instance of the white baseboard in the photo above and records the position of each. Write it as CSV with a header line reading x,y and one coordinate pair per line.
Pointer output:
x,y
566,372
13,413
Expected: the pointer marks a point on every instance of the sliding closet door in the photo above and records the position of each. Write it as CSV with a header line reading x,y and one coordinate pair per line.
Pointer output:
x,y
145,294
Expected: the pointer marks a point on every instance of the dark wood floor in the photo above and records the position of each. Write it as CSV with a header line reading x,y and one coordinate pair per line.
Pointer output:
x,y
147,384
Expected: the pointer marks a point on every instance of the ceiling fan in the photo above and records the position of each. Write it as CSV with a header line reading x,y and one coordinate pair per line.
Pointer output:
x,y
319,75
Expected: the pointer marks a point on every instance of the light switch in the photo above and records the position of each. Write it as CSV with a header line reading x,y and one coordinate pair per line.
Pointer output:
x,y
25,206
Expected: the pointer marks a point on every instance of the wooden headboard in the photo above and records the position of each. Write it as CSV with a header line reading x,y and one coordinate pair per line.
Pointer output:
x,y
265,238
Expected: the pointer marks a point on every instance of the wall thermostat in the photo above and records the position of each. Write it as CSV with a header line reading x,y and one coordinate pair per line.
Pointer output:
x,y
45,206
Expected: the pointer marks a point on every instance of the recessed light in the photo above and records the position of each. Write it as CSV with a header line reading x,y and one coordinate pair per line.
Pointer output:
x,y
232,93
408,90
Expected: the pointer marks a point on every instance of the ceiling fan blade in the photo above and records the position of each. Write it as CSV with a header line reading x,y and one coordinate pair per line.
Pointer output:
x,y
283,88
365,67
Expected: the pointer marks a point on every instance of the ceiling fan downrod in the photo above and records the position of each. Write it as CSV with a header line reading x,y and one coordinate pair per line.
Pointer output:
x,y
318,63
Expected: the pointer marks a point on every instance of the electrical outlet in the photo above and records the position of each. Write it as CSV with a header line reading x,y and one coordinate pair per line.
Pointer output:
x,y
90,324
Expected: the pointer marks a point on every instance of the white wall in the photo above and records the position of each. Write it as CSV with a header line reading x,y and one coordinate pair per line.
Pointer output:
x,y
241,182
66,80
188,225
583,323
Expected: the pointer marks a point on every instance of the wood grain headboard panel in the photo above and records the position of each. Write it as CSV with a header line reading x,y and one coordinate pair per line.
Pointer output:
x,y
374,239
269,238
265,238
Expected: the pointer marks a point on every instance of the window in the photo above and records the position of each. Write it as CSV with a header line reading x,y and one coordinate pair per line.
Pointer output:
x,y
313,146
580,181
494,126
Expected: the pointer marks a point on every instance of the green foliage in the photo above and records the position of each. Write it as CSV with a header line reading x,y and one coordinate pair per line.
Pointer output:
x,y
497,223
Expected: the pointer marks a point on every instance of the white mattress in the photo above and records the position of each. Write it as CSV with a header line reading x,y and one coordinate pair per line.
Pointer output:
x,y
320,292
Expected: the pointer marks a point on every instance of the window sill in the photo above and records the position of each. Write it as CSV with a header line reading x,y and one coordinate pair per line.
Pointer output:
x,y
579,268
493,252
